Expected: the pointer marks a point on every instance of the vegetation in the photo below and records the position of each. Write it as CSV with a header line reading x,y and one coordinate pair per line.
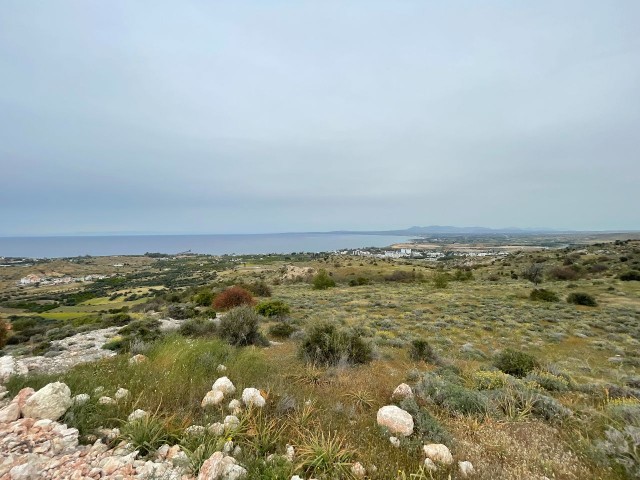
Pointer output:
x,y
566,377
232,297
322,281
582,298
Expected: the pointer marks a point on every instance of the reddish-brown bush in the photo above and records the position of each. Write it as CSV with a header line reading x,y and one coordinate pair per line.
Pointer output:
x,y
565,273
232,297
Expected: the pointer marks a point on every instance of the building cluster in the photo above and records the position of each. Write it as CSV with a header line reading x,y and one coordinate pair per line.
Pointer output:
x,y
41,280
412,253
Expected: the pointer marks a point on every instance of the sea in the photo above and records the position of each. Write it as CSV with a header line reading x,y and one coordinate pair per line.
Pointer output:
x,y
281,243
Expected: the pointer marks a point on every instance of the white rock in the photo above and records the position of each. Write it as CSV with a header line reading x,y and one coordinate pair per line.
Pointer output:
x,y
429,465
466,469
10,413
213,397
395,441
217,429
9,367
221,467
221,368
227,447
396,420
439,453
122,393
195,430
80,399
401,392
51,402
290,453
26,471
98,390
297,477
136,359
235,406
106,401
252,398
137,414
358,470
231,422
224,385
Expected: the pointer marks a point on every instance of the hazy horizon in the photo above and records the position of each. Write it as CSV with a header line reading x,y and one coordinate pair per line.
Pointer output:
x,y
253,117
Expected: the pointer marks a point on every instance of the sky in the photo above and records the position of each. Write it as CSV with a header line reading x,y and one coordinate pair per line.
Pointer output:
x,y
282,116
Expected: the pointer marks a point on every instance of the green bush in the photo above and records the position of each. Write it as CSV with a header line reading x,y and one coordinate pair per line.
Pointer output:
x,y
281,330
273,308
581,298
422,350
516,363
426,427
631,275
355,282
203,298
548,381
197,327
326,344
542,295
449,393
240,327
181,312
441,280
322,281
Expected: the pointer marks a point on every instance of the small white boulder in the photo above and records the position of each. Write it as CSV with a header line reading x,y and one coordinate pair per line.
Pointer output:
x,y
466,469
122,393
213,397
439,453
224,385
253,398
51,402
396,420
137,415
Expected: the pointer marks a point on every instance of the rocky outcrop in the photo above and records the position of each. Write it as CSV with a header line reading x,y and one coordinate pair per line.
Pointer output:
x,y
221,467
10,366
396,420
401,392
50,402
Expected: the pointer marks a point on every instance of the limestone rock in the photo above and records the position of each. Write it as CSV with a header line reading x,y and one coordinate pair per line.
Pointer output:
x,y
401,392
122,393
396,420
9,367
429,465
194,430
80,399
221,467
395,441
217,428
137,359
10,413
466,469
224,385
106,401
51,402
235,406
231,422
213,397
439,453
358,470
221,368
137,414
253,398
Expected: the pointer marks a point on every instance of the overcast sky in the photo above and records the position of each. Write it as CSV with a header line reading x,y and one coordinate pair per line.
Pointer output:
x,y
272,116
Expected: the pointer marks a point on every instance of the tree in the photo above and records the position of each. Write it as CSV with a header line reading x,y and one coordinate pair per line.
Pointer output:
x,y
534,273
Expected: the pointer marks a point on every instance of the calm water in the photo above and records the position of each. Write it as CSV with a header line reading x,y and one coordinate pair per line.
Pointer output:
x,y
51,247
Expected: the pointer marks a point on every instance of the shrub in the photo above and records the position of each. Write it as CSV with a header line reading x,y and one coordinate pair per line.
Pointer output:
x,y
203,299
631,275
450,394
542,295
426,427
281,330
534,273
422,350
117,320
325,456
181,312
232,297
259,289
565,273
240,327
324,343
548,381
4,333
273,308
623,448
322,281
581,298
489,380
516,363
441,280
147,434
402,276
197,327
355,282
